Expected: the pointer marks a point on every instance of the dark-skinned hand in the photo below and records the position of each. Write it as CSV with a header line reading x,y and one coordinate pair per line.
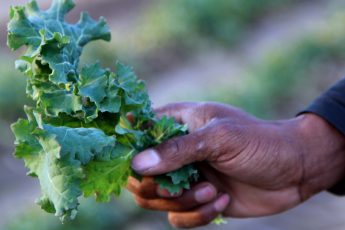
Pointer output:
x,y
251,167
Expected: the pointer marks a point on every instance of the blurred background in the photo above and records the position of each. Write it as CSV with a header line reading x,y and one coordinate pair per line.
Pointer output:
x,y
269,57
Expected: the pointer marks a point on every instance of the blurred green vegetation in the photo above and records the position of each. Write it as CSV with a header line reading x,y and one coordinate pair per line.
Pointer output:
x,y
223,21
170,32
91,216
290,78
12,90
102,216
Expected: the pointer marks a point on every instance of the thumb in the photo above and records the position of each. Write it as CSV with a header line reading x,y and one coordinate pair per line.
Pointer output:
x,y
171,155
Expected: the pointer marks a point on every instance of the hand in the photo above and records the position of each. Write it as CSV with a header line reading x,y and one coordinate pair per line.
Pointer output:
x,y
251,167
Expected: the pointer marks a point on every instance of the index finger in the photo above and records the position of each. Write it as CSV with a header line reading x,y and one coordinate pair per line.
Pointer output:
x,y
179,111
188,113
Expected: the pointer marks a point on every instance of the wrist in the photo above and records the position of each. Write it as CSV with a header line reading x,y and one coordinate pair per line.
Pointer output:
x,y
322,152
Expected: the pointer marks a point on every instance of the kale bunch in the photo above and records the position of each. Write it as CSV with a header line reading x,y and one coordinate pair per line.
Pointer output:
x,y
78,140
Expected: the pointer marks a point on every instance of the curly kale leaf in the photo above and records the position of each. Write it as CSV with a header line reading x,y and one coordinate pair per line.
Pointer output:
x,y
77,139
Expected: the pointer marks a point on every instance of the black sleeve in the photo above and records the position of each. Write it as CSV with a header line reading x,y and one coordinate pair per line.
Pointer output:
x,y
331,107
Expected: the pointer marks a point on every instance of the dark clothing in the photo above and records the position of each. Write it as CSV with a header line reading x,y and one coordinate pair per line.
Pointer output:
x,y
331,107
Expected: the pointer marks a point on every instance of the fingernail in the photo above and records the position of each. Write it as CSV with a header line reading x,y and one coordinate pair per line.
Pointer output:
x,y
204,194
221,203
145,160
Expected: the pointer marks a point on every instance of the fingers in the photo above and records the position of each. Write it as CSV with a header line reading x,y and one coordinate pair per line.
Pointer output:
x,y
197,115
172,154
200,216
180,111
146,188
164,193
198,195
195,207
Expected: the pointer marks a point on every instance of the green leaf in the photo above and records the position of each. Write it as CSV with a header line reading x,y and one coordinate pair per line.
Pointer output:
x,y
53,43
219,220
113,101
184,174
104,178
93,81
81,144
59,178
177,180
27,146
59,181
135,97
21,30
163,129
60,101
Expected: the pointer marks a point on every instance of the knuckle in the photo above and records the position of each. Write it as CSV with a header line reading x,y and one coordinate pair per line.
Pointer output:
x,y
223,128
186,149
146,188
133,186
205,219
188,220
159,204
172,149
142,193
172,221
146,192
176,221
225,132
177,207
143,203
176,145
